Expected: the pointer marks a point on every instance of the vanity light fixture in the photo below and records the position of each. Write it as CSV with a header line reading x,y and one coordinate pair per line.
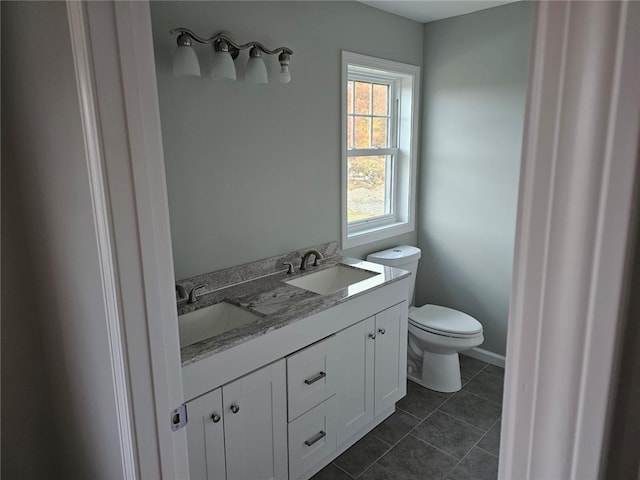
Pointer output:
x,y
222,66
256,71
226,50
185,61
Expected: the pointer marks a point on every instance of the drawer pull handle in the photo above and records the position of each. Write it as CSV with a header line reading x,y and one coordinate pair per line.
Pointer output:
x,y
215,417
372,336
315,378
382,331
235,408
316,438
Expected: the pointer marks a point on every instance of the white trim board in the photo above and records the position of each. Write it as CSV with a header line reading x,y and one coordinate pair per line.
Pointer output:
x,y
122,71
574,213
142,113
486,356
94,158
406,172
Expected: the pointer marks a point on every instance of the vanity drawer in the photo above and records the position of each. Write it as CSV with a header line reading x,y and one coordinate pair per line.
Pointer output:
x,y
311,376
312,437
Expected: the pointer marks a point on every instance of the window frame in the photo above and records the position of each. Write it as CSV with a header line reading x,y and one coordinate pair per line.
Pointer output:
x,y
391,150
404,81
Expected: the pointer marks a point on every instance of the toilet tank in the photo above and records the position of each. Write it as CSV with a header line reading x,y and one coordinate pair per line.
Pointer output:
x,y
405,257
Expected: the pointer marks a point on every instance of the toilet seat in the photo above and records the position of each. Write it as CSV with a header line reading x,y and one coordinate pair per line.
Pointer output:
x,y
444,321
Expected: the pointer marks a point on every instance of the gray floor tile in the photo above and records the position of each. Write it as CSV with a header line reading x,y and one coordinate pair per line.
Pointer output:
x,y
395,427
491,441
421,401
472,409
478,465
331,472
493,370
376,472
361,455
470,366
486,386
449,434
413,459
451,424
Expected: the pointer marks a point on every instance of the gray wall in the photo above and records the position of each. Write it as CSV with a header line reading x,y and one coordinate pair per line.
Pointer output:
x,y
58,405
254,170
26,425
475,74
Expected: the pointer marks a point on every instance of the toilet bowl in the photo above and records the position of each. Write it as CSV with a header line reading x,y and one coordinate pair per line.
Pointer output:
x,y
436,333
436,336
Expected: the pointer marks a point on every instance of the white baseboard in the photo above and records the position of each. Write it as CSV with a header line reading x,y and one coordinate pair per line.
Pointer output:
x,y
486,356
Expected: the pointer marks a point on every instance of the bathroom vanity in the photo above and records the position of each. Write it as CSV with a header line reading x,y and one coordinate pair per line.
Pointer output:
x,y
283,395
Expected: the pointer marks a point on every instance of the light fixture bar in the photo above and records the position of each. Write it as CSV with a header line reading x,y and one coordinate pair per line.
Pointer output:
x,y
232,44
225,51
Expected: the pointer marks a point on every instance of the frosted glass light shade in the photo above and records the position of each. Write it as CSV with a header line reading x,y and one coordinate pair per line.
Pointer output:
x,y
222,66
256,71
185,62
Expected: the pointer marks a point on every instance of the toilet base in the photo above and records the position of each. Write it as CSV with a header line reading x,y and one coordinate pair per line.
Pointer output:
x,y
440,372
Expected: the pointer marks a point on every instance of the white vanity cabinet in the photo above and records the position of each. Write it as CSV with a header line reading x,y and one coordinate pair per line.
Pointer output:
x,y
364,376
372,357
330,378
239,431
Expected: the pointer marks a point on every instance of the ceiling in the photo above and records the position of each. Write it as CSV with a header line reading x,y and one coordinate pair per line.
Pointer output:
x,y
429,10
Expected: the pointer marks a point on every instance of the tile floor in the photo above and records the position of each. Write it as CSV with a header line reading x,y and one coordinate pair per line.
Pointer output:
x,y
433,435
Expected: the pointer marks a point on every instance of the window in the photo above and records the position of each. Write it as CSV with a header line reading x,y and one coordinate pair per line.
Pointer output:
x,y
379,118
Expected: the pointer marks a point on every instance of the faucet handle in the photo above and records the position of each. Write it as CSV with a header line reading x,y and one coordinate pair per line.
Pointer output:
x,y
291,269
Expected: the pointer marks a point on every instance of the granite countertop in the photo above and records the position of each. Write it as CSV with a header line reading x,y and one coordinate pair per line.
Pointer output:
x,y
279,304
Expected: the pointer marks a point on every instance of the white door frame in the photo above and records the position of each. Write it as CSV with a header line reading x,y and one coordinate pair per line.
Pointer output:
x,y
574,217
573,224
115,69
93,155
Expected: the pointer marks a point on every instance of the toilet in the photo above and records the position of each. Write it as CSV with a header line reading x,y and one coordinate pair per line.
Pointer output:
x,y
436,334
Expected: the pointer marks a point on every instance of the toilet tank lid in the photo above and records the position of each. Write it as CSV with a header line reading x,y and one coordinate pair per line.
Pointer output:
x,y
396,256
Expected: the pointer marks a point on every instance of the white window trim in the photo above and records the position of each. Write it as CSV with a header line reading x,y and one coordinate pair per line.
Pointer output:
x,y
406,160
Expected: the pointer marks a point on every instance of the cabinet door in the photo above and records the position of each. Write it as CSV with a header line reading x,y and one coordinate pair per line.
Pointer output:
x,y
354,398
390,357
255,424
205,437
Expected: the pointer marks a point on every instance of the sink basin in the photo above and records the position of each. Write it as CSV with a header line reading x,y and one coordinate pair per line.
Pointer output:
x,y
211,321
331,279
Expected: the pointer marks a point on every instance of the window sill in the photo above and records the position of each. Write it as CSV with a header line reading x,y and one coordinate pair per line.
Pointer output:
x,y
374,234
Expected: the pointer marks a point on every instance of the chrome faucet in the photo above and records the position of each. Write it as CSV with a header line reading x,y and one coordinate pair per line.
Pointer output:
x,y
182,293
193,297
305,259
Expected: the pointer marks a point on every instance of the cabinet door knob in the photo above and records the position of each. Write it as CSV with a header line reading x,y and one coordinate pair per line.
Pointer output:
x,y
381,331
215,417
235,408
372,336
